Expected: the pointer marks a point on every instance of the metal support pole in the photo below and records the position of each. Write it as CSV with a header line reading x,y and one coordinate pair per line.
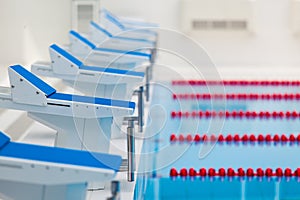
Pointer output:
x,y
148,71
140,118
140,109
131,150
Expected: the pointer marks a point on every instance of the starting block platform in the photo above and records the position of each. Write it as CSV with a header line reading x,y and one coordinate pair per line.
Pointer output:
x,y
40,172
82,122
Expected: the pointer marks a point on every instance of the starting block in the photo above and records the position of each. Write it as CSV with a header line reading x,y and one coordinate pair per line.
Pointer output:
x,y
132,30
99,35
87,51
90,80
81,122
115,58
136,23
46,173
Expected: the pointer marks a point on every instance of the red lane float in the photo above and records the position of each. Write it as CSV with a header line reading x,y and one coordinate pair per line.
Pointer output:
x,y
196,138
240,172
236,114
251,96
236,83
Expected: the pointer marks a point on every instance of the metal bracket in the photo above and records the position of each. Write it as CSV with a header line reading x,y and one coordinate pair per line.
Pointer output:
x,y
148,78
140,120
131,148
115,191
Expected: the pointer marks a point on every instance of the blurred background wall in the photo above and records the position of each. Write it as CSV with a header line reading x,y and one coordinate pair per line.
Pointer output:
x,y
272,42
28,27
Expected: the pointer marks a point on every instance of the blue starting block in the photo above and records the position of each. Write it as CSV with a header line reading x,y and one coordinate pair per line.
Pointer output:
x,y
115,58
136,23
39,172
99,35
92,80
84,49
81,122
133,30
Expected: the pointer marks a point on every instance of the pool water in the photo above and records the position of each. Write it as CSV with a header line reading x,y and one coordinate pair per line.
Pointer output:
x,y
160,155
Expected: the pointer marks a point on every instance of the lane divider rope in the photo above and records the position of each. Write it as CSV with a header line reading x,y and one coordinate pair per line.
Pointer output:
x,y
236,114
236,82
240,172
197,138
237,96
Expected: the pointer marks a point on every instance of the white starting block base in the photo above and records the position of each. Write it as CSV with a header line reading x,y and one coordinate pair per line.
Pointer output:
x,y
78,133
26,191
81,122
92,81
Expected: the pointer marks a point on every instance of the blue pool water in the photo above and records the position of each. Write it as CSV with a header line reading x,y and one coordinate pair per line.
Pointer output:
x,y
159,155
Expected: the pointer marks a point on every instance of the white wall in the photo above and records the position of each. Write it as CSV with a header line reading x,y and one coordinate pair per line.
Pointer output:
x,y
28,27
273,43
